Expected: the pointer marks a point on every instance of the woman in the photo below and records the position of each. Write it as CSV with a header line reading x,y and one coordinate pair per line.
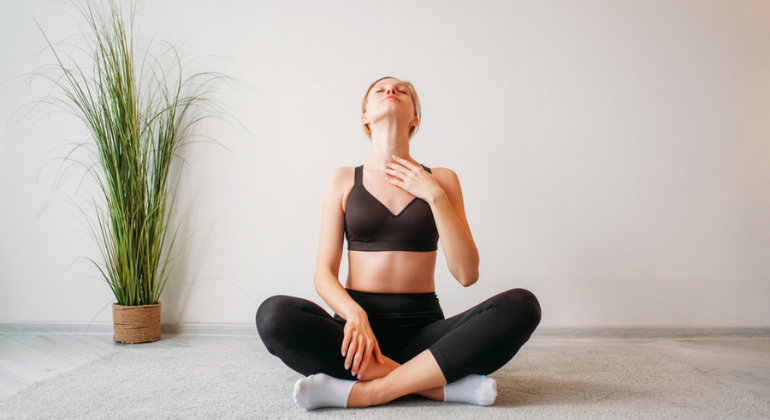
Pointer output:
x,y
388,332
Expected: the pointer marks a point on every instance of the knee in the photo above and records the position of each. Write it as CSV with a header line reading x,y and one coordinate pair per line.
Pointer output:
x,y
269,315
525,305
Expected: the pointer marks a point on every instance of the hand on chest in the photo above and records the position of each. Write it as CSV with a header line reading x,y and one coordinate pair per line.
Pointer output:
x,y
393,198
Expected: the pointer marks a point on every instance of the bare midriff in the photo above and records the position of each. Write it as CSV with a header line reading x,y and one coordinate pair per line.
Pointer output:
x,y
391,271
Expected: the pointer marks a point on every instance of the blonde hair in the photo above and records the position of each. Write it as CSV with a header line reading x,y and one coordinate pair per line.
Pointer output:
x,y
412,94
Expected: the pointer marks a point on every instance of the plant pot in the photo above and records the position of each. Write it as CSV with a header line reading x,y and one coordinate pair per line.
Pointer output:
x,y
136,324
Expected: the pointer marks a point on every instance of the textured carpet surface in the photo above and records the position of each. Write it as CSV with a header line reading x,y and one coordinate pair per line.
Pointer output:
x,y
179,383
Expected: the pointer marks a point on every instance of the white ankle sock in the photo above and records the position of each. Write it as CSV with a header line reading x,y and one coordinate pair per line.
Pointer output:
x,y
472,389
322,390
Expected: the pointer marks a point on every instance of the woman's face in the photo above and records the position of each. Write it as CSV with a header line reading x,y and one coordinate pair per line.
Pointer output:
x,y
389,96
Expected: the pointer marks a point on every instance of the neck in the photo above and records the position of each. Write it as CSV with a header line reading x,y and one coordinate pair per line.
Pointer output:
x,y
386,142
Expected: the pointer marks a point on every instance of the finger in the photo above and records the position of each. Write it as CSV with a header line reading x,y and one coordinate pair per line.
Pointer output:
x,y
367,358
351,355
393,173
393,168
345,343
357,359
378,353
407,164
395,181
400,169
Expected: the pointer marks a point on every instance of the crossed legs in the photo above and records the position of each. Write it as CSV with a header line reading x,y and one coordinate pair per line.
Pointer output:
x,y
473,343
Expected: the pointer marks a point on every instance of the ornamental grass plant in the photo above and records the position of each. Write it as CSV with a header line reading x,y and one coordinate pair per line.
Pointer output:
x,y
139,109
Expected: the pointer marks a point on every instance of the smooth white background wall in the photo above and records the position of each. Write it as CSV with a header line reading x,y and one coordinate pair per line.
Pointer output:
x,y
615,156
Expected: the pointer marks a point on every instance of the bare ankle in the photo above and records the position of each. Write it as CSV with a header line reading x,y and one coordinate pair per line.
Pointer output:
x,y
359,397
365,394
436,394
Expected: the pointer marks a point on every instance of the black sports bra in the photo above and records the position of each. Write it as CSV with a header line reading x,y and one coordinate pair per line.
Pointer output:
x,y
370,226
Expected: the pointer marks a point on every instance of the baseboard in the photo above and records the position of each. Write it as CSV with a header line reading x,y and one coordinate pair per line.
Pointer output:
x,y
550,332
210,329
106,328
653,332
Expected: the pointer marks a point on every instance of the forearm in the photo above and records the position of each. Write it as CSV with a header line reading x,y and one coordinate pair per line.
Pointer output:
x,y
331,291
460,250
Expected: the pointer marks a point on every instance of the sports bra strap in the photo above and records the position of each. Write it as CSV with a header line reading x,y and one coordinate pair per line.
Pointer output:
x,y
359,175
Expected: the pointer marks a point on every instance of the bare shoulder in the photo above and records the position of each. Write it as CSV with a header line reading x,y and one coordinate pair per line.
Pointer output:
x,y
342,176
446,177
340,183
449,181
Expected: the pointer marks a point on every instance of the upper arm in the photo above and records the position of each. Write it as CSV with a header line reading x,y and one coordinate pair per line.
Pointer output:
x,y
333,220
450,183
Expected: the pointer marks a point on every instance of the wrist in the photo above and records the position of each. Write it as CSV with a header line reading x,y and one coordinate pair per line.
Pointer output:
x,y
354,313
439,197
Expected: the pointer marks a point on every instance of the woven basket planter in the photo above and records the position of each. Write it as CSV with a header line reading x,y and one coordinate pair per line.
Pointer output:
x,y
136,324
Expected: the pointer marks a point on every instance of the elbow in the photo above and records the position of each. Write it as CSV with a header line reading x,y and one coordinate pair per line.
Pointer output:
x,y
468,279
467,275
470,274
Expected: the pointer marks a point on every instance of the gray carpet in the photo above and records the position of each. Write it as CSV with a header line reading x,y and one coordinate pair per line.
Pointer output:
x,y
178,383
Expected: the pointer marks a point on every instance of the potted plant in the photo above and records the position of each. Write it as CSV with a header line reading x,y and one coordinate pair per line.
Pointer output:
x,y
139,110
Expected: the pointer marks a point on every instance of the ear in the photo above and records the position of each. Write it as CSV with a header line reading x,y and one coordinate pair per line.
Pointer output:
x,y
364,119
415,121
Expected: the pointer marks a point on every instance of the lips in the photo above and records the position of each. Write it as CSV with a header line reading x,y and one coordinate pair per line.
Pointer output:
x,y
389,97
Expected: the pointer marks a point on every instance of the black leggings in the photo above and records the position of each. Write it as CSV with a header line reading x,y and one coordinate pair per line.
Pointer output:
x,y
477,341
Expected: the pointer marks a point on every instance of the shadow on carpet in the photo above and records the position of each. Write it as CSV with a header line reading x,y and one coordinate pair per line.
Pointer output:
x,y
178,383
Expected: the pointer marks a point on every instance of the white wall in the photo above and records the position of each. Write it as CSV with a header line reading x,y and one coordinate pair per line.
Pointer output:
x,y
615,156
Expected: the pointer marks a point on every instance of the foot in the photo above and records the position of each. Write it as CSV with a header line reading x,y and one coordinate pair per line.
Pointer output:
x,y
472,389
321,390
